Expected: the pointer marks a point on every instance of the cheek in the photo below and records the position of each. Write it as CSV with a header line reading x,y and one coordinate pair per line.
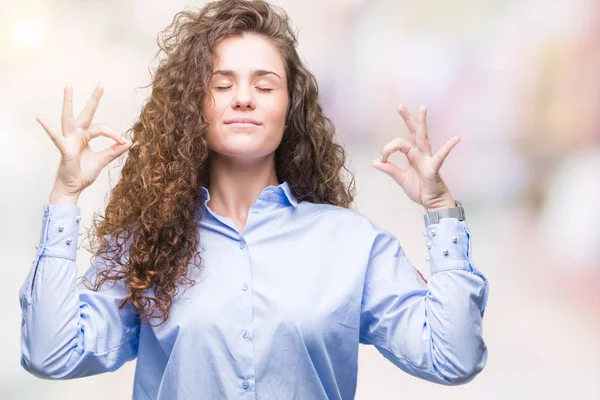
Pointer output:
x,y
277,110
211,109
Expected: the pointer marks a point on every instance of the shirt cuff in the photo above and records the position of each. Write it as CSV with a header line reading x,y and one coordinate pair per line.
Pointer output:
x,y
448,245
60,231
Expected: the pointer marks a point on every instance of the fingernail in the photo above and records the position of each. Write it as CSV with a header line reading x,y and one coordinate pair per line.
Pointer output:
x,y
124,140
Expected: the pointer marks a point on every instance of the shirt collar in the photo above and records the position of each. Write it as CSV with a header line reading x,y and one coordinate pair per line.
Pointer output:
x,y
277,194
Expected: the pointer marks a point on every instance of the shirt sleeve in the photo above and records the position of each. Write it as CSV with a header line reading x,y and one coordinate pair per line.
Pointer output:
x,y
431,330
67,330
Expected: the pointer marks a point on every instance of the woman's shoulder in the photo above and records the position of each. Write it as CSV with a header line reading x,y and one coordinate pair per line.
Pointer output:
x,y
340,217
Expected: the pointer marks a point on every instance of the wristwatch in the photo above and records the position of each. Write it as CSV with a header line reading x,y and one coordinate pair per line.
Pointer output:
x,y
432,217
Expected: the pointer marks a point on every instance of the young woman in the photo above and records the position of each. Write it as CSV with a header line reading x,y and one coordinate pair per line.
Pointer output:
x,y
229,261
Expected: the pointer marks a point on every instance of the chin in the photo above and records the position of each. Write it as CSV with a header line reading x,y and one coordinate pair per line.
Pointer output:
x,y
244,152
245,147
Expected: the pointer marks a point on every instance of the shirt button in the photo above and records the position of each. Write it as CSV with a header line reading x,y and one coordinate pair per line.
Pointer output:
x,y
244,287
242,245
246,334
246,384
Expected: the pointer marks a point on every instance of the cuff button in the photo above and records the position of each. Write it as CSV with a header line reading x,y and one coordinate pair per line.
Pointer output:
x,y
445,252
61,228
69,240
78,218
454,239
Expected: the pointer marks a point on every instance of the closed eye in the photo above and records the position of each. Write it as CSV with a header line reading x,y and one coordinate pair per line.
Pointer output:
x,y
259,89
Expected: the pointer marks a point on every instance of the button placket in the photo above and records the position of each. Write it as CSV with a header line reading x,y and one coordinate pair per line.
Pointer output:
x,y
246,335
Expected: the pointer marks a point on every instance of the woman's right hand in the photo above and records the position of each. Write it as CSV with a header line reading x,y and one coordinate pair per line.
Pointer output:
x,y
80,165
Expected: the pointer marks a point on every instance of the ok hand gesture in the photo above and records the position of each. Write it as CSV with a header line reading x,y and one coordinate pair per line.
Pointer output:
x,y
421,180
80,165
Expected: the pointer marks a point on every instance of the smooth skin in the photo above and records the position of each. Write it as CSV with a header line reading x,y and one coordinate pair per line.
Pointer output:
x,y
420,180
80,165
249,81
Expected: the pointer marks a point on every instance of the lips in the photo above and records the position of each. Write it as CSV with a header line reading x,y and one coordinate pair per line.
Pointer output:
x,y
242,121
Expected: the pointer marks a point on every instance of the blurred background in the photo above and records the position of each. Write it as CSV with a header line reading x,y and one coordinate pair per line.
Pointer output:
x,y
517,80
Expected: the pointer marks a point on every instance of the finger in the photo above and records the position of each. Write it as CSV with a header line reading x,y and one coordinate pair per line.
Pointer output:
x,y
397,173
56,137
105,130
68,122
422,137
410,122
440,156
87,115
112,153
402,145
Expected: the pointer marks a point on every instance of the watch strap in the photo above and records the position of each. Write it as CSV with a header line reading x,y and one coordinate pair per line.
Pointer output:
x,y
432,217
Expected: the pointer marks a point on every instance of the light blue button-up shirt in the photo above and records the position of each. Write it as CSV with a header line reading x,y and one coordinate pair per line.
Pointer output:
x,y
278,313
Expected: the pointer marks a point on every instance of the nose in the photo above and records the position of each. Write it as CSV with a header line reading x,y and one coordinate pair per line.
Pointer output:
x,y
243,98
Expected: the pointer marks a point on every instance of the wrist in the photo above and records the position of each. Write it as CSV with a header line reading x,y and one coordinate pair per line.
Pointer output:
x,y
57,197
446,203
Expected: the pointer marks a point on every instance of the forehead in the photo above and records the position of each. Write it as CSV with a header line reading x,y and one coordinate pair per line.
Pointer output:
x,y
246,53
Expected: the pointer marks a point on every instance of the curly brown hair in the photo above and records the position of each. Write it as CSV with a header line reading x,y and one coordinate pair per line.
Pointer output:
x,y
152,215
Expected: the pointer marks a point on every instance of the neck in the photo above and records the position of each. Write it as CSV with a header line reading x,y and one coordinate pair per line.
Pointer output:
x,y
236,183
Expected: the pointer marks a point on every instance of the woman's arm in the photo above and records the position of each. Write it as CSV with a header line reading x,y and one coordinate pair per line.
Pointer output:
x,y
432,330
67,330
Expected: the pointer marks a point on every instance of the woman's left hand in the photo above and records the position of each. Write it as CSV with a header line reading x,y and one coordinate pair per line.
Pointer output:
x,y
421,180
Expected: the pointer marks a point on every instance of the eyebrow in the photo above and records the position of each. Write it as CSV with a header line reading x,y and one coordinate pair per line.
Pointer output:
x,y
255,72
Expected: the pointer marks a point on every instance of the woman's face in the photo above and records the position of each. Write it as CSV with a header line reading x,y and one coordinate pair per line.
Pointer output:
x,y
248,84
